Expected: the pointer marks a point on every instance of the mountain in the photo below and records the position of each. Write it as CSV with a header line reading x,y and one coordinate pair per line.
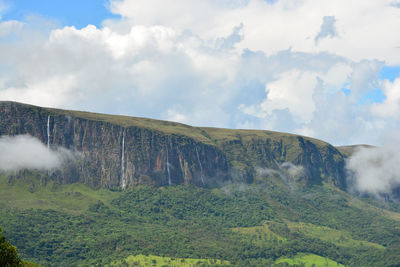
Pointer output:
x,y
141,192
347,151
119,151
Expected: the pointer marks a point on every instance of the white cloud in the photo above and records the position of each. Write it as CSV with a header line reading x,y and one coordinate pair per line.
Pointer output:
x,y
51,92
242,63
375,170
365,28
27,152
364,76
390,107
10,26
292,91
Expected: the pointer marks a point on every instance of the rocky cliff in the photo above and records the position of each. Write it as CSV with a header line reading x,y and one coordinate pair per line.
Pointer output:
x,y
120,152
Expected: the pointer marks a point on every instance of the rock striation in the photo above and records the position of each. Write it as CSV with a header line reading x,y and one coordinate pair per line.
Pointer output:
x,y
121,152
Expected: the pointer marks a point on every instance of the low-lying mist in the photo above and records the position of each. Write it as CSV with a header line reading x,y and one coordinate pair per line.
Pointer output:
x,y
375,170
27,152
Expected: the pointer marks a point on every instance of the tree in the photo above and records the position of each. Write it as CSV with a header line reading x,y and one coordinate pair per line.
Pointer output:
x,y
8,253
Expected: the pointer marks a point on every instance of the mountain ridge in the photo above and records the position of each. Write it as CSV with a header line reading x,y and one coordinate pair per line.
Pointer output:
x,y
154,152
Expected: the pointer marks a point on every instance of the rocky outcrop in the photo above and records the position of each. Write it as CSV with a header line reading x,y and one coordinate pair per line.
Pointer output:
x,y
320,161
119,152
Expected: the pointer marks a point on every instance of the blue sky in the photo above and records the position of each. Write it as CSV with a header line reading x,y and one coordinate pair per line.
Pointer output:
x,y
239,64
78,13
389,72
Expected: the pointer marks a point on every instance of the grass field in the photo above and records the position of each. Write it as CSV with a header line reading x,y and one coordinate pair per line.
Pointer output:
x,y
338,237
261,233
75,198
309,260
157,261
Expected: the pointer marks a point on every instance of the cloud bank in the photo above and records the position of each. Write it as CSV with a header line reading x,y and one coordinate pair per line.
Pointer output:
x,y
293,66
375,170
27,152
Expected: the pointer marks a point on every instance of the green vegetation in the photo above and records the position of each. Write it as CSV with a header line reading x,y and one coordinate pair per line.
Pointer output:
x,y
302,221
151,260
8,253
9,256
71,198
340,238
309,260
246,225
260,233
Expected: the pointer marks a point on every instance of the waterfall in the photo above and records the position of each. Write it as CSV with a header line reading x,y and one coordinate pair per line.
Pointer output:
x,y
169,174
123,180
282,175
48,132
201,167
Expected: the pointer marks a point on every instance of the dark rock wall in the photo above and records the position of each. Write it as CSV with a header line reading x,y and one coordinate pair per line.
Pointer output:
x,y
98,149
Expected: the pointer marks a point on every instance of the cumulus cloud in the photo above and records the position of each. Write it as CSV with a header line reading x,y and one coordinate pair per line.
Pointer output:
x,y
390,107
293,91
27,152
251,64
9,27
375,170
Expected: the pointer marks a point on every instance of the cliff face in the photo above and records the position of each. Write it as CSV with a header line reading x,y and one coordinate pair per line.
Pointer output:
x,y
252,150
115,151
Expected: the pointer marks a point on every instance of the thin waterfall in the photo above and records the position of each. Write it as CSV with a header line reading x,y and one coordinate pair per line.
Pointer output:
x,y
201,167
48,132
169,174
282,175
123,180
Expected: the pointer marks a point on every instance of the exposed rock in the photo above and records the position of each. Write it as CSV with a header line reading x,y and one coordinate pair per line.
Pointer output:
x,y
196,156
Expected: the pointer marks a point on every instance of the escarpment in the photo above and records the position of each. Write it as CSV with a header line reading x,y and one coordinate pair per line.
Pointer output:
x,y
122,152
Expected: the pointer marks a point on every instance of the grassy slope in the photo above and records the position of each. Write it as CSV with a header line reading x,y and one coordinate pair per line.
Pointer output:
x,y
309,260
75,198
157,261
248,225
337,237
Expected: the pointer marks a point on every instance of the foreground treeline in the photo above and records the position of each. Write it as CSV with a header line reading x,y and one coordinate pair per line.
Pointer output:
x,y
9,255
244,225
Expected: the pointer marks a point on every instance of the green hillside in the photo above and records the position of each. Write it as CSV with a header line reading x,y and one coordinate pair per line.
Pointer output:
x,y
195,196
237,225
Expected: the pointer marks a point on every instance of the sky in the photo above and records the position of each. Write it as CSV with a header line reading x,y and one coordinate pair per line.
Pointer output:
x,y
325,69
